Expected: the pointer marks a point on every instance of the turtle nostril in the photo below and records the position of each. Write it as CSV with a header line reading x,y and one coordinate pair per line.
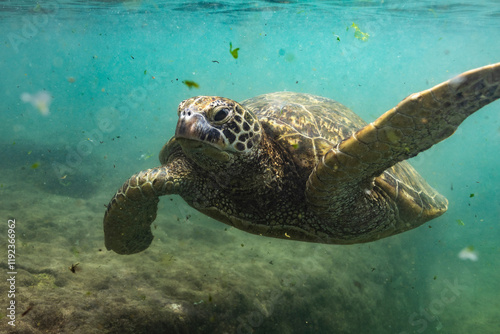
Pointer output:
x,y
189,113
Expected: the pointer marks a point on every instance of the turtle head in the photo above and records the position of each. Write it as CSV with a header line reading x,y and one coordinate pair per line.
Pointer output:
x,y
213,130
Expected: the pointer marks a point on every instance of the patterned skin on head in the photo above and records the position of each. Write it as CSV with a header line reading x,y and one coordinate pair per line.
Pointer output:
x,y
219,122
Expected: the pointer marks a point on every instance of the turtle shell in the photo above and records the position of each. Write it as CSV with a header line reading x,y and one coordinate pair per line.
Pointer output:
x,y
308,126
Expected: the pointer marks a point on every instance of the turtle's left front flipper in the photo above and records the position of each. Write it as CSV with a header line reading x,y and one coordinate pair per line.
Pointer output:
x,y
133,208
414,125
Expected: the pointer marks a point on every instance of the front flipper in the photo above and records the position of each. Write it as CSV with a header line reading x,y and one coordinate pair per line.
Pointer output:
x,y
414,125
133,208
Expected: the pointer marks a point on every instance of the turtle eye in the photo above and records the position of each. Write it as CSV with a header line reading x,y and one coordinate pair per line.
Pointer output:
x,y
220,114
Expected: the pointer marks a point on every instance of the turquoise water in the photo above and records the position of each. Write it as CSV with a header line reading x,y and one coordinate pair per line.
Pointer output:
x,y
109,76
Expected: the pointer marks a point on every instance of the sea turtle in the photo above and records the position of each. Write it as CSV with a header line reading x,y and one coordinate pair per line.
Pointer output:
x,y
300,167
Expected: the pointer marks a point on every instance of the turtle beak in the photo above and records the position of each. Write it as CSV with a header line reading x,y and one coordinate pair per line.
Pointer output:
x,y
197,137
194,126
190,125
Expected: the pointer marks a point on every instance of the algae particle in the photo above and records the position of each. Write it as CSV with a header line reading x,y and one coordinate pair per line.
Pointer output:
x,y
359,34
234,52
35,165
190,84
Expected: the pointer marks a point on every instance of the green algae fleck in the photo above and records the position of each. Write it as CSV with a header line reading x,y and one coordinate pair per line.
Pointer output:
x,y
190,84
234,52
362,36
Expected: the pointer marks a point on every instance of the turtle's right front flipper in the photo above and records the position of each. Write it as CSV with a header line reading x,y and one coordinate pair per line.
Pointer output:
x,y
414,125
133,208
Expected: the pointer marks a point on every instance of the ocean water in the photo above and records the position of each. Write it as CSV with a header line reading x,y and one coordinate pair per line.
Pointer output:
x,y
89,96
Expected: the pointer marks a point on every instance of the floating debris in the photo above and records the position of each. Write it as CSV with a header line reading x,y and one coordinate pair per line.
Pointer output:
x,y
145,156
460,222
359,34
191,84
73,267
40,100
468,253
30,307
234,52
35,165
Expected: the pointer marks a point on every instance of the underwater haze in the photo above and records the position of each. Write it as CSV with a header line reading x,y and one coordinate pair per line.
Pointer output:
x,y
90,91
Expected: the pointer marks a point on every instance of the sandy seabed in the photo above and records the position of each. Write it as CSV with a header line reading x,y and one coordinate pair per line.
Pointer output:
x,y
200,276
